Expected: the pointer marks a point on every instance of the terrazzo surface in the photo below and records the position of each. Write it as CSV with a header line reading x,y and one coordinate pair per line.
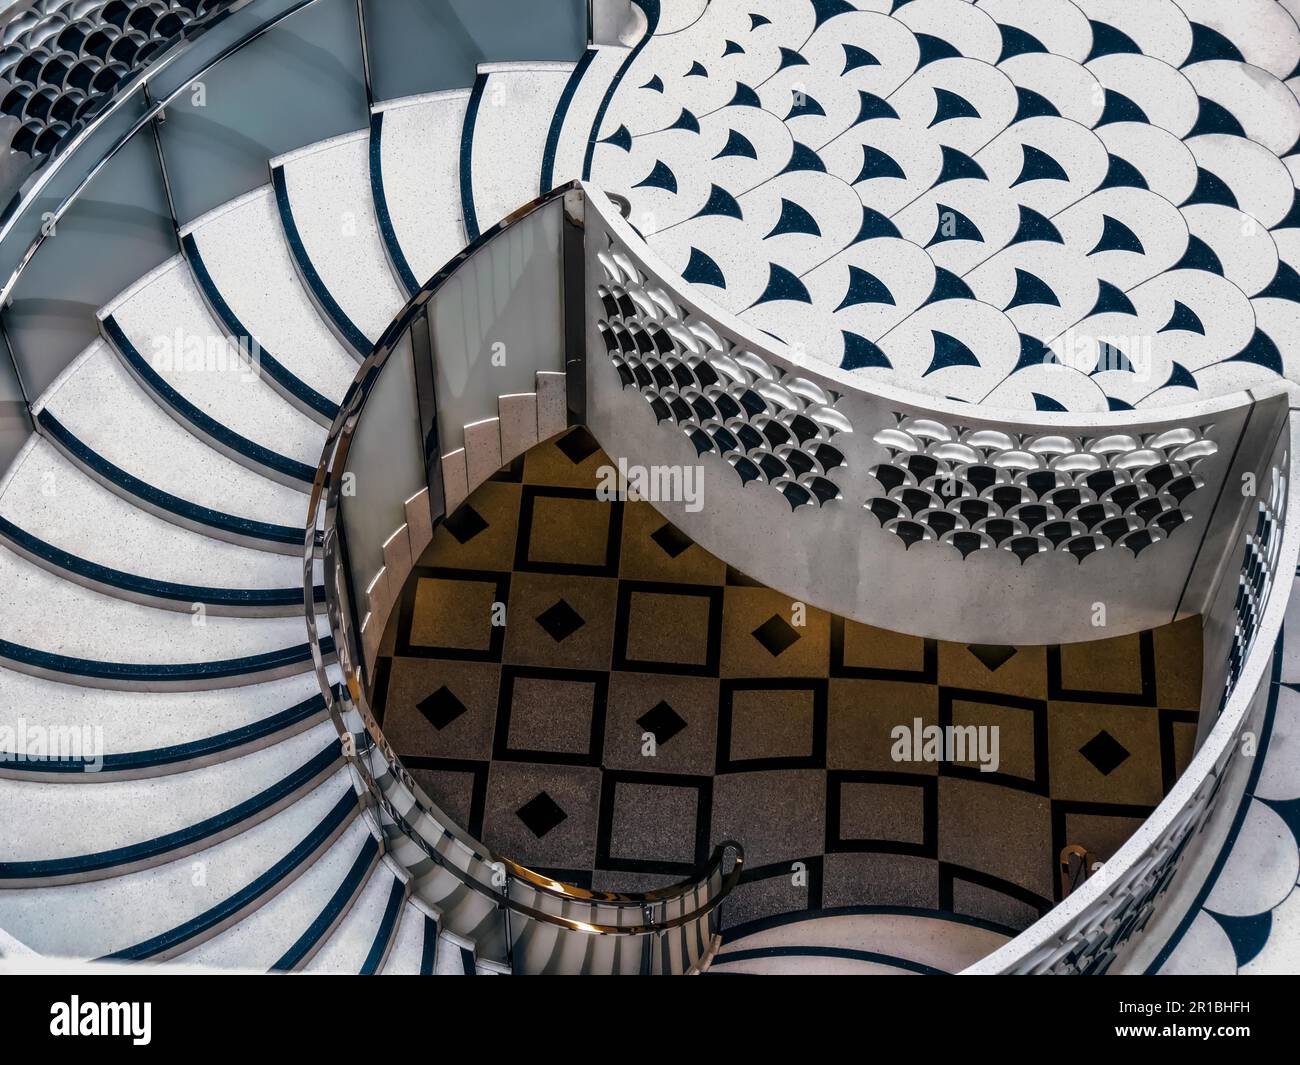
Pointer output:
x,y
1058,205
619,630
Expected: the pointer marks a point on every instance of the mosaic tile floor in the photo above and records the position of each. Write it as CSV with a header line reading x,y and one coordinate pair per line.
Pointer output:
x,y
1051,204
533,734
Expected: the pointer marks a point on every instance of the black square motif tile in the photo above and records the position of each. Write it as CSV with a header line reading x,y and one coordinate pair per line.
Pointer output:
x,y
992,656
560,621
465,524
578,446
663,721
1105,752
776,635
540,814
441,708
671,539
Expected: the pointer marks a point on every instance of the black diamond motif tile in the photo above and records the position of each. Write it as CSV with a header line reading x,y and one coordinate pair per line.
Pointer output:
x,y
540,814
1105,752
441,708
465,524
671,539
578,446
560,621
776,635
663,721
993,655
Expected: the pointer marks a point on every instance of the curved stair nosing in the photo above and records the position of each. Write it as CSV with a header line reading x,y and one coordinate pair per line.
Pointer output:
x,y
181,757
183,842
305,947
291,388
189,676
546,178
468,212
331,313
237,907
255,456
385,934
245,532
164,595
397,260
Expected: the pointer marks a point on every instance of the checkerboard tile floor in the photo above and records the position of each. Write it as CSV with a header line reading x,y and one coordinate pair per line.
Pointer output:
x,y
644,701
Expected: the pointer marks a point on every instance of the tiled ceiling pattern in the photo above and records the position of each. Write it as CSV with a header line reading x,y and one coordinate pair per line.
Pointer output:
x,y
644,701
1056,204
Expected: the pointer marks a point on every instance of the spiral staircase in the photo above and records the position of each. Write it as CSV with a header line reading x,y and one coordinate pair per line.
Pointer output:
x,y
151,569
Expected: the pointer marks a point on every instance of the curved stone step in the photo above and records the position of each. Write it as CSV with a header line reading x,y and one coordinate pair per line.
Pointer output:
x,y
102,420
133,734
569,138
509,117
95,829
159,912
54,514
168,340
360,942
323,195
415,178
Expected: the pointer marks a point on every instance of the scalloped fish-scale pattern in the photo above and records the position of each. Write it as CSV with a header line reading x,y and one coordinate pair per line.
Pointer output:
x,y
770,426
1072,205
61,59
982,489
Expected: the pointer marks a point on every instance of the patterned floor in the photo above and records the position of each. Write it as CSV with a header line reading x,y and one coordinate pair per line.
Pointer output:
x,y
1051,204
534,734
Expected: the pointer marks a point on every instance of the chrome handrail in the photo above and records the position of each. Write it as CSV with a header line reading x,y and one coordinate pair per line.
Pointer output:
x,y
321,544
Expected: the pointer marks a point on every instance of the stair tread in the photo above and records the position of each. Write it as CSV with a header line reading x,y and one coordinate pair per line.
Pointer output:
x,y
580,116
512,121
262,938
167,322
243,249
52,499
329,194
86,816
105,916
107,411
347,949
420,173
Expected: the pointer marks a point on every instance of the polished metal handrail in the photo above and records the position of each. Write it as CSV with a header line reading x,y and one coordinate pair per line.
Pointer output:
x,y
321,543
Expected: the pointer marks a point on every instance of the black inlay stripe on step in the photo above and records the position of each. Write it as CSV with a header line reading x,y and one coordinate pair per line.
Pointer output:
x,y
162,672
204,423
547,180
93,461
429,949
183,837
266,362
467,159
338,902
147,586
231,906
396,894
386,228
184,752
359,341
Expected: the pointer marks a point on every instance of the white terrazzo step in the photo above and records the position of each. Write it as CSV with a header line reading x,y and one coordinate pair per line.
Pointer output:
x,y
409,944
242,247
505,137
102,917
900,941
106,410
46,613
265,937
133,723
579,117
53,500
88,816
165,319
326,201
347,950
419,177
